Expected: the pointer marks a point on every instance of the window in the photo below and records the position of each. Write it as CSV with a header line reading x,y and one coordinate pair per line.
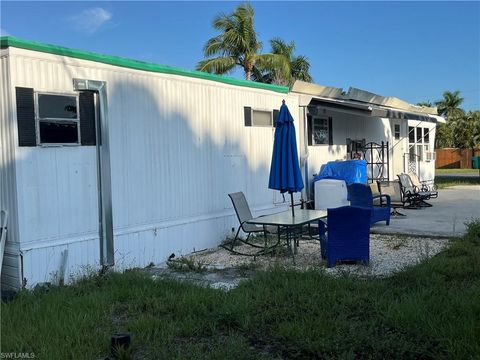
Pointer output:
x,y
262,118
426,135
319,130
57,120
396,131
254,117
419,134
411,134
419,144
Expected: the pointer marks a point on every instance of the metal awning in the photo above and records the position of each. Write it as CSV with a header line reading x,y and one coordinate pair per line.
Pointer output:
x,y
348,106
361,108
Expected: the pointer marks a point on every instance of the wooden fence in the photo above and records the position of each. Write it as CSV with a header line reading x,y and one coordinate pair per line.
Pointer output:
x,y
454,158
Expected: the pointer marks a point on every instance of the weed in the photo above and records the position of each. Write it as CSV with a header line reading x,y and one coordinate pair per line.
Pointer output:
x,y
186,264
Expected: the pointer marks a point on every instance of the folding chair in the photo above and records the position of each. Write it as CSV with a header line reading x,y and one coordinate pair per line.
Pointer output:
x,y
244,214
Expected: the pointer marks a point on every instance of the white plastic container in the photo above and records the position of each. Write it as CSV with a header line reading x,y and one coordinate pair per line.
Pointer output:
x,y
330,193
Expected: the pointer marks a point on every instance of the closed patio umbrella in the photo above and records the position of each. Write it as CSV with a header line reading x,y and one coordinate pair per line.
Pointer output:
x,y
285,172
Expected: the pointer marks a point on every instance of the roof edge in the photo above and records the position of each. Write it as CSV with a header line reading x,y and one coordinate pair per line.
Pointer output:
x,y
9,41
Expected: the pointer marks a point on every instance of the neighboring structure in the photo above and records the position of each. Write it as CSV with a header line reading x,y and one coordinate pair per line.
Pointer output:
x,y
108,160
390,134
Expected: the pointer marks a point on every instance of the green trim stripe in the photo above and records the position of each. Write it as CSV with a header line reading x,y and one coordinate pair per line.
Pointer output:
x,y
8,41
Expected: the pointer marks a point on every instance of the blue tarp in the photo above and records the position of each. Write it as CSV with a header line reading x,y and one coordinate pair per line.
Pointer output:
x,y
352,171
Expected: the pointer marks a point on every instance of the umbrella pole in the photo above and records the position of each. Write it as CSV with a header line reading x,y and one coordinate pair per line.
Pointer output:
x,y
291,199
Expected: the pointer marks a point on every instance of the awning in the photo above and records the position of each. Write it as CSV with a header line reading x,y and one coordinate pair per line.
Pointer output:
x,y
361,108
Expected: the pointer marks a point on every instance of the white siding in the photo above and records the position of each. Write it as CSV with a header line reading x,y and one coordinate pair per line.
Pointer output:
x,y
178,147
8,200
357,127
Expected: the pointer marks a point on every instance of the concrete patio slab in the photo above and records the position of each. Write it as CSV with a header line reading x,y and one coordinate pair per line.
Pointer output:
x,y
453,207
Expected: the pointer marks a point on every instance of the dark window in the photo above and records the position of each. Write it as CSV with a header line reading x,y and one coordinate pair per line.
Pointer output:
x,y
419,134
57,119
397,131
58,132
411,134
426,135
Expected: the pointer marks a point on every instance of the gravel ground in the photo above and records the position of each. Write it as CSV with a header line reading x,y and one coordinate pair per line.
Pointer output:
x,y
388,254
220,269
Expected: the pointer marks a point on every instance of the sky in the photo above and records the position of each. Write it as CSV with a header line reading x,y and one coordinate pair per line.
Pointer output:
x,y
411,50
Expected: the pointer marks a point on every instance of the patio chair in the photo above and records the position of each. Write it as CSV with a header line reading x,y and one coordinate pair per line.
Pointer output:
x,y
393,189
375,192
348,235
424,186
418,198
244,214
361,195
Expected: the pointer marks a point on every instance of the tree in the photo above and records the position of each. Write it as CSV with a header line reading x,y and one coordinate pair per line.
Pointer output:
x,y
449,106
298,66
466,130
237,45
425,103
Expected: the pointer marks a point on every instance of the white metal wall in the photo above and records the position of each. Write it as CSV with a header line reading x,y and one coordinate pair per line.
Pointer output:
x,y
178,147
8,200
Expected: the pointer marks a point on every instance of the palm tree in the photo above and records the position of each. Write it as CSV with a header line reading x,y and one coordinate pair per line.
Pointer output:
x,y
298,66
425,103
237,45
449,106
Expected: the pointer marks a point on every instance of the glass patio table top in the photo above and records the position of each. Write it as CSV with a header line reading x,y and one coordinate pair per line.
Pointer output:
x,y
286,219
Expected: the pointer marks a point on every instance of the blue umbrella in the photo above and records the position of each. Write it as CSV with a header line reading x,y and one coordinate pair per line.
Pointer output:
x,y
285,172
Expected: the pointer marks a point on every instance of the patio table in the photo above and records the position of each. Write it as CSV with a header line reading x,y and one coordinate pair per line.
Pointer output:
x,y
290,224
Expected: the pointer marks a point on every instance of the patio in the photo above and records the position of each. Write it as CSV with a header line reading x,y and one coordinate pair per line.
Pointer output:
x,y
453,207
406,242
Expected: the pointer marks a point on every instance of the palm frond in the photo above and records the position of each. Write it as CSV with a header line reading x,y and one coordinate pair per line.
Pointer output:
x,y
214,46
219,65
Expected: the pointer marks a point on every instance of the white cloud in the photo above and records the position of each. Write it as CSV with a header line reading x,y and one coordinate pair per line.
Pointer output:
x,y
3,32
90,20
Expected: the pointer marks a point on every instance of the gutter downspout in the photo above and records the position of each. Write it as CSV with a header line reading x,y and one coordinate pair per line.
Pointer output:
x,y
305,155
99,88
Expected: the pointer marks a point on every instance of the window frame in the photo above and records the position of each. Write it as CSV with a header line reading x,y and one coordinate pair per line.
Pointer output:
x,y
326,119
424,154
395,132
56,120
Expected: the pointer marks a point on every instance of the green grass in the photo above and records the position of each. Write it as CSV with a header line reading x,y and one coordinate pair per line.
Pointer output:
x,y
431,311
444,182
456,171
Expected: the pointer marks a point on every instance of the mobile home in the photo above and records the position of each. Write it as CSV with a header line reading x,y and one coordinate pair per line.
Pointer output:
x,y
107,161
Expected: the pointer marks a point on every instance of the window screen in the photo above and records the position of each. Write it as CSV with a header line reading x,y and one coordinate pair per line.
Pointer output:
x,y
57,106
259,117
320,131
